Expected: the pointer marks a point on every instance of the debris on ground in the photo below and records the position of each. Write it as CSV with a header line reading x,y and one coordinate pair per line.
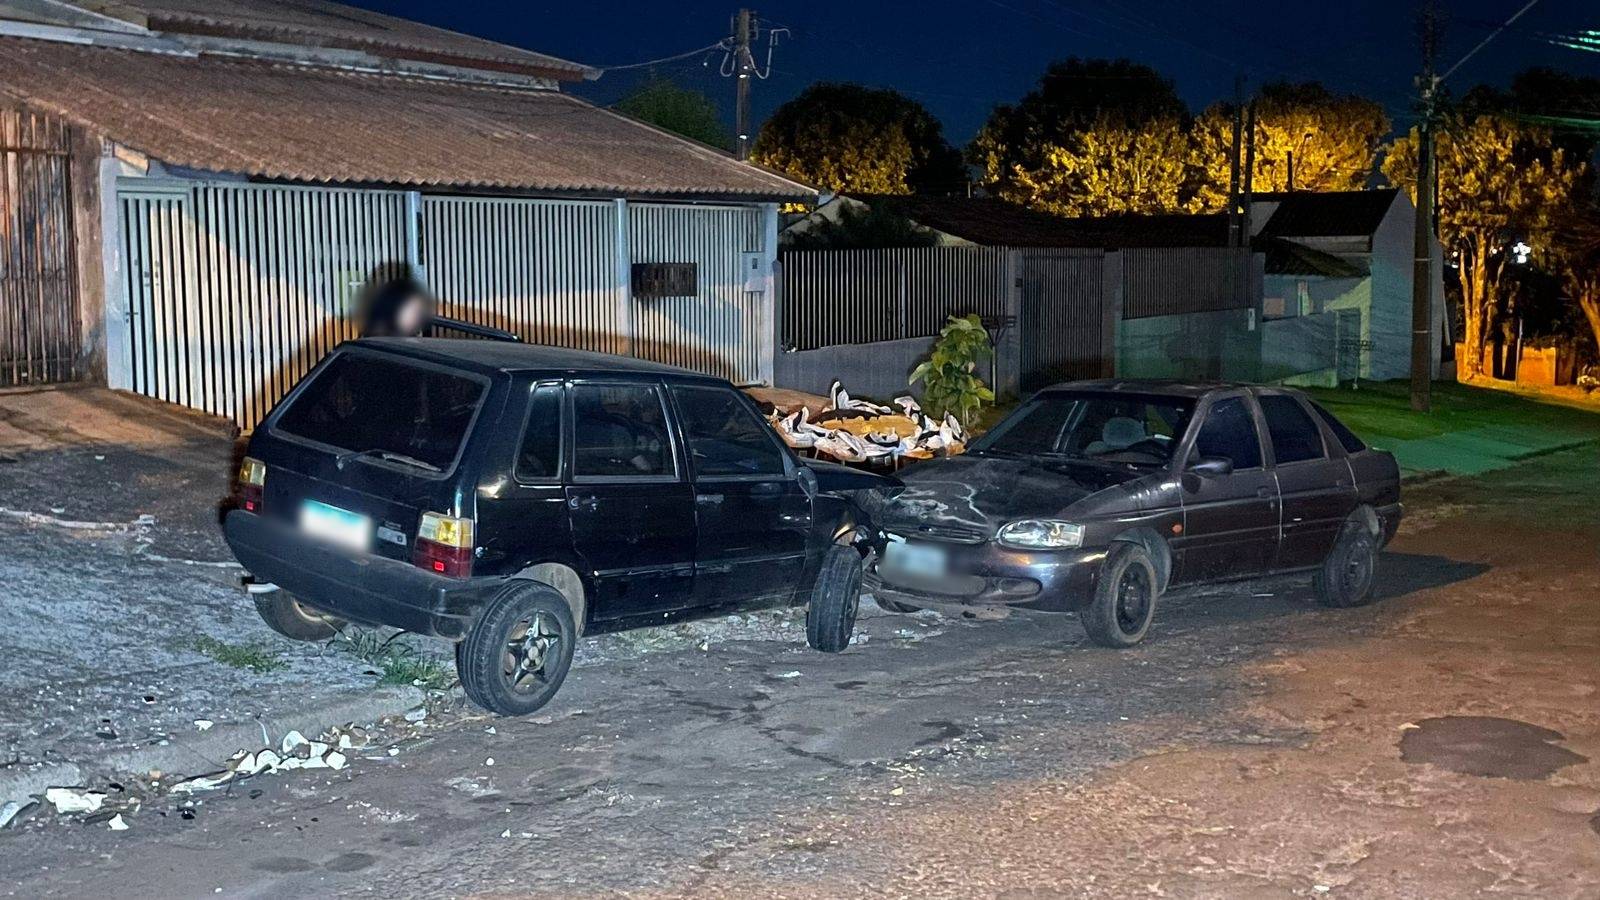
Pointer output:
x,y
853,430
12,809
294,752
117,823
74,800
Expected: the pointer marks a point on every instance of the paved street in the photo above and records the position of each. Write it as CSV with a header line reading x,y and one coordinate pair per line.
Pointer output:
x,y
1434,745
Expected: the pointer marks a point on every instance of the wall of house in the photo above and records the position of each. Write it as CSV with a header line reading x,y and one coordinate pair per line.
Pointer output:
x,y
1223,344
1387,327
1304,348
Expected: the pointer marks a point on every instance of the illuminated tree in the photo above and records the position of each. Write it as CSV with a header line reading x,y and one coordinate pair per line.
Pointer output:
x,y
678,110
1108,168
1334,139
1576,255
1500,181
845,137
1028,145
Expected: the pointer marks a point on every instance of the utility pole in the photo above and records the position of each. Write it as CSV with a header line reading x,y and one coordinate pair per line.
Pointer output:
x,y
1233,162
744,66
1422,269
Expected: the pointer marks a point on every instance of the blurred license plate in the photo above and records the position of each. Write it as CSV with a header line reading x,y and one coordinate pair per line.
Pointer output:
x,y
923,560
340,527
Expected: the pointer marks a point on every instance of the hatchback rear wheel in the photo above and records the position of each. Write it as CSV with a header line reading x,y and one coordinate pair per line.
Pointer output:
x,y
516,656
293,619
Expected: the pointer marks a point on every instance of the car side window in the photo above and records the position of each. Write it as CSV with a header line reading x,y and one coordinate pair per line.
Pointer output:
x,y
539,457
1230,432
620,431
1347,438
1295,437
724,436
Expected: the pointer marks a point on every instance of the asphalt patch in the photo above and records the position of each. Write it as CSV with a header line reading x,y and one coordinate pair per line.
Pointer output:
x,y
1487,746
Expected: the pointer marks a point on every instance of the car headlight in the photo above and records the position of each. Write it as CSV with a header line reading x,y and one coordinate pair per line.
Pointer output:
x,y
1041,534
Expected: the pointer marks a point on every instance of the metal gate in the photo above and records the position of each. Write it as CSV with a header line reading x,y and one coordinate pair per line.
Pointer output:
x,y
38,265
1063,317
233,293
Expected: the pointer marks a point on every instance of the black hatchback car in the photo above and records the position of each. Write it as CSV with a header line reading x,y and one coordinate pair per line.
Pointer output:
x,y
511,498
1095,497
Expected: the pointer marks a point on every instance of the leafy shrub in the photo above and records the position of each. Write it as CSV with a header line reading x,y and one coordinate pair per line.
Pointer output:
x,y
949,385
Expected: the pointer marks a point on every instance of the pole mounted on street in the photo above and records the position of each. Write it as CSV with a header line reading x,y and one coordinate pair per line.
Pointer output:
x,y
744,66
1422,270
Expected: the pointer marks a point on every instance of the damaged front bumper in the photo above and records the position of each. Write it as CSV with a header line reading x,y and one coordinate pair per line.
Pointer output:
x,y
360,587
989,574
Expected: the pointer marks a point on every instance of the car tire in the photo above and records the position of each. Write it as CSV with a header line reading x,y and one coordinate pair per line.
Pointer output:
x,y
295,621
835,600
1350,572
1125,596
517,654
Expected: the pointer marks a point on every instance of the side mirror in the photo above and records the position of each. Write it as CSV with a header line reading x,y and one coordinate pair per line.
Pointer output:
x,y
807,479
1211,466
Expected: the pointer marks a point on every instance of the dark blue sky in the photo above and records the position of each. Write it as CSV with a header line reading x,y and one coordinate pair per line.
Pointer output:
x,y
961,58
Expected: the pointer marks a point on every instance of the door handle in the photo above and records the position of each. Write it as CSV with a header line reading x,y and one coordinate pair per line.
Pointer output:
x,y
589,503
708,499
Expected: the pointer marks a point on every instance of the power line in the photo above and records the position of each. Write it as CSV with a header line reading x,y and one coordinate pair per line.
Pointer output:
x,y
719,45
1485,42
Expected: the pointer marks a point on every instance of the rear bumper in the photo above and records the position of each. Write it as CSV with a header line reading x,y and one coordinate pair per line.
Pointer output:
x,y
368,589
991,575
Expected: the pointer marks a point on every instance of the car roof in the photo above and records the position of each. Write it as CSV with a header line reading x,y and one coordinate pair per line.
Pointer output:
x,y
513,356
1160,387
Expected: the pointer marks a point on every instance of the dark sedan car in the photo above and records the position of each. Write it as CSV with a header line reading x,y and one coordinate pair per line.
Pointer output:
x,y
1096,497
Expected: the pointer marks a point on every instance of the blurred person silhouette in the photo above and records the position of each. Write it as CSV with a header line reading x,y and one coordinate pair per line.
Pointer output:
x,y
400,307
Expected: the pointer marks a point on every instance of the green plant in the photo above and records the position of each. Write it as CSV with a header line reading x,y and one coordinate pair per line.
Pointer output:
x,y
397,661
255,657
949,383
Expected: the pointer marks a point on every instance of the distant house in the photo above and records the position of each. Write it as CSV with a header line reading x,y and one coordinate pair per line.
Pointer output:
x,y
1325,294
194,196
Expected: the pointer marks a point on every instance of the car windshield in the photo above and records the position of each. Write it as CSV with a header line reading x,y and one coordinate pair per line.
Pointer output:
x,y
385,408
1132,429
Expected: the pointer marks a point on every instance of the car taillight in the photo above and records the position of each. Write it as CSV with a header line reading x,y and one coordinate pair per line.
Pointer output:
x,y
252,484
444,545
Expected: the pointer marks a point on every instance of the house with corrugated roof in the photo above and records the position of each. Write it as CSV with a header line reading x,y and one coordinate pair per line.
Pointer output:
x,y
1326,298
195,193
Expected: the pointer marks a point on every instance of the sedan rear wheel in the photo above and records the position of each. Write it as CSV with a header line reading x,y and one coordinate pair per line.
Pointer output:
x,y
1350,572
1124,598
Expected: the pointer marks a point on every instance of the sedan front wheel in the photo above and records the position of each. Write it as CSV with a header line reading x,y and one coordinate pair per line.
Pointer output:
x,y
1124,598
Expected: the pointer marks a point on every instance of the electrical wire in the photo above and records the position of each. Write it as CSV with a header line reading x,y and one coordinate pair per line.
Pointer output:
x,y
1485,42
719,45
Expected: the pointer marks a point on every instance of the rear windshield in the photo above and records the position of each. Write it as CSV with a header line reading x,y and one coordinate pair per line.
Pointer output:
x,y
403,413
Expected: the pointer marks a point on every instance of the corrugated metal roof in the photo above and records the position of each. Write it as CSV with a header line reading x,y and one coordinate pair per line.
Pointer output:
x,y
315,23
303,123
1330,214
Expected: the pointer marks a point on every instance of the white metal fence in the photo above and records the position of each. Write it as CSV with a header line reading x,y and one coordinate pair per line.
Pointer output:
x,y
232,292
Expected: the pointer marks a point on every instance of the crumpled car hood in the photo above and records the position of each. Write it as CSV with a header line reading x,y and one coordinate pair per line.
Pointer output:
x,y
983,493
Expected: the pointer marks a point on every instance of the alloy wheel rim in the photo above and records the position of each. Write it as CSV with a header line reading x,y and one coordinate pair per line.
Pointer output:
x,y
531,646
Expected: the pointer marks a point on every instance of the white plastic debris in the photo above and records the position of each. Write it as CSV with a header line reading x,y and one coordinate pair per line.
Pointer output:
x,y
489,761
74,800
203,724
789,675
416,715
117,823
295,751
506,833
11,810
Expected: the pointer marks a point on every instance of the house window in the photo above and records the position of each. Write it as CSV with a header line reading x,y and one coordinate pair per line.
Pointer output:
x,y
1273,308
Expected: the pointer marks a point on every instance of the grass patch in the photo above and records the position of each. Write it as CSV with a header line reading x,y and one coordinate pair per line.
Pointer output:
x,y
255,657
396,661
1381,411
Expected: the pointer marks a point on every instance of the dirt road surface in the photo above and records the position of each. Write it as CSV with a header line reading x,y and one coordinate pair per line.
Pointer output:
x,y
1441,743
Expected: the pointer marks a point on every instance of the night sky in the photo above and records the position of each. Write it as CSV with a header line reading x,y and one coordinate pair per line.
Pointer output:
x,y
959,59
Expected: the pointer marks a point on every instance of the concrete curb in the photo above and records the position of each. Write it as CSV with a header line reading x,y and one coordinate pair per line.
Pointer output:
x,y
201,752
1429,476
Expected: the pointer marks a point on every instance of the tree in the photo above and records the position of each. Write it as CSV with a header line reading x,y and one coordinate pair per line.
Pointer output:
x,y
1334,138
678,110
1577,257
1107,168
845,137
1500,181
1073,96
